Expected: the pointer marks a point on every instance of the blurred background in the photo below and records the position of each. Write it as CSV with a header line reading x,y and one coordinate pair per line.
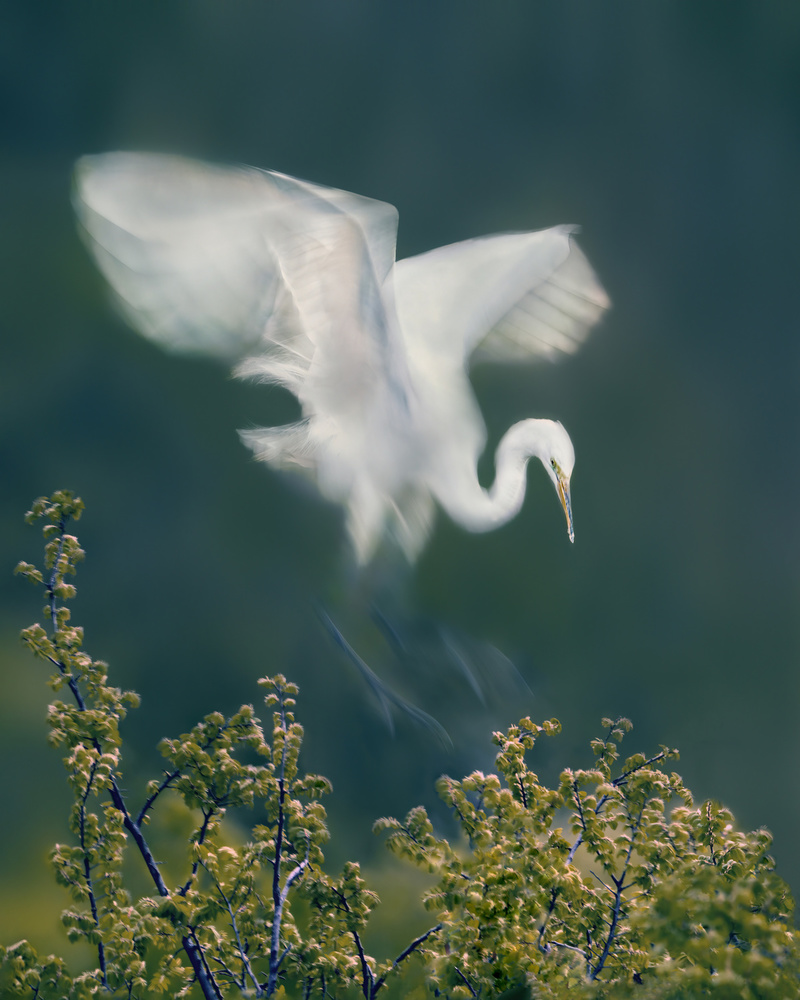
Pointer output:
x,y
671,133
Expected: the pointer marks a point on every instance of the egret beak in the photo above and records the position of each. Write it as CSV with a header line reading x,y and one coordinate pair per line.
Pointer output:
x,y
562,487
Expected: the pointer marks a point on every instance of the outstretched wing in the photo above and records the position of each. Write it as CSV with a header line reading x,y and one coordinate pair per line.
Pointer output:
x,y
509,297
225,260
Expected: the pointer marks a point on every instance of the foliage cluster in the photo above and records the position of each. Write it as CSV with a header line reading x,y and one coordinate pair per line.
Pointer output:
x,y
600,887
644,898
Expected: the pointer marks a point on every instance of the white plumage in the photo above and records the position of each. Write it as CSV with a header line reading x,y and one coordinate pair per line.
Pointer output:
x,y
297,284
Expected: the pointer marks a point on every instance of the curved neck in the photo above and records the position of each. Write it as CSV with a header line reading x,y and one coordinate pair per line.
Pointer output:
x,y
477,509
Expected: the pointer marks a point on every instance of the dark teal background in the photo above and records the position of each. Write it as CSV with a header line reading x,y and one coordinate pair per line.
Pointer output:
x,y
671,133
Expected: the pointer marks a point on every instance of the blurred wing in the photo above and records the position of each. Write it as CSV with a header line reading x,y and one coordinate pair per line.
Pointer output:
x,y
511,297
219,259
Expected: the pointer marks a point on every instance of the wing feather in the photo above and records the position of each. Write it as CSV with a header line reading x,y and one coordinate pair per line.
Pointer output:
x,y
508,297
223,260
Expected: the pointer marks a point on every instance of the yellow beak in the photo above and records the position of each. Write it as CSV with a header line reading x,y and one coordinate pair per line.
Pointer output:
x,y
566,503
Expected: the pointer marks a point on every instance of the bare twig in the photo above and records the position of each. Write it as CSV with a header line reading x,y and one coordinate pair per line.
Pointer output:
x,y
570,947
367,977
595,875
87,875
710,834
466,982
543,928
246,966
404,955
162,787
196,864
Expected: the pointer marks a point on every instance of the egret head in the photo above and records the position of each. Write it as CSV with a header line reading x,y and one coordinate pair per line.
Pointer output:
x,y
558,457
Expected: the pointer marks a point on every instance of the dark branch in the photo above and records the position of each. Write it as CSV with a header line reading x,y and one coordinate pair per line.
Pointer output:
x,y
196,864
404,955
466,982
87,875
543,928
616,909
162,787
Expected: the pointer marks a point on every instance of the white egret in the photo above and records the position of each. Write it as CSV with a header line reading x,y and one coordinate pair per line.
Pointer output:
x,y
298,285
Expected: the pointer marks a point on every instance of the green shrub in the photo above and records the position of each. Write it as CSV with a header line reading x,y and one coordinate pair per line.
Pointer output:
x,y
610,885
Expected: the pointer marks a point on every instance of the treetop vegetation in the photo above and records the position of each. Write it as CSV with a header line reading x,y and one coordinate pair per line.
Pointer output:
x,y
612,883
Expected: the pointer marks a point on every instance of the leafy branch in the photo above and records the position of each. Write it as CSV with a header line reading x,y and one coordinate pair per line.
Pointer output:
x,y
646,893
229,922
611,884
